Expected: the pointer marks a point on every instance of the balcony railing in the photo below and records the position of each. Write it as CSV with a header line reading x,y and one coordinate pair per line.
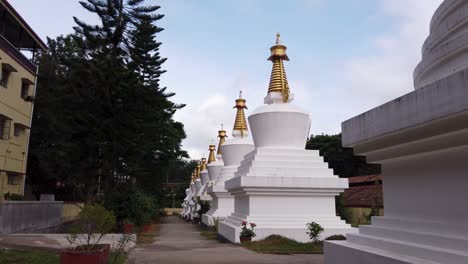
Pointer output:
x,y
19,57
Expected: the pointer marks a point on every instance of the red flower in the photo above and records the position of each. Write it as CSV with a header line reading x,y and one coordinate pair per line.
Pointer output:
x,y
253,225
244,223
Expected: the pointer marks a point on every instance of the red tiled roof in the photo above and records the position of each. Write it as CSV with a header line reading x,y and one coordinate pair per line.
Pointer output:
x,y
362,179
363,196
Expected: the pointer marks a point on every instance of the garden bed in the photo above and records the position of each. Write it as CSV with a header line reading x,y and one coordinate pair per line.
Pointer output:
x,y
275,244
43,257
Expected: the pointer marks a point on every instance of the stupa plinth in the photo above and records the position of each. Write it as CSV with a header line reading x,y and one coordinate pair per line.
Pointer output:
x,y
233,150
421,140
280,186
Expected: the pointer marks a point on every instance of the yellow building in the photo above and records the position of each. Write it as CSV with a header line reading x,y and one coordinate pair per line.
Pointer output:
x,y
18,76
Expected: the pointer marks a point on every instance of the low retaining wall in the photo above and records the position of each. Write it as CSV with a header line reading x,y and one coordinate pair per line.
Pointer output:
x,y
27,216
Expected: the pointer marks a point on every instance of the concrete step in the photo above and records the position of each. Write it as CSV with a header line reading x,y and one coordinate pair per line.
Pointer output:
x,y
455,228
431,253
424,238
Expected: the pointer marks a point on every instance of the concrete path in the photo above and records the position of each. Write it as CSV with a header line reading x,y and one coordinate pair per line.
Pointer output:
x,y
180,242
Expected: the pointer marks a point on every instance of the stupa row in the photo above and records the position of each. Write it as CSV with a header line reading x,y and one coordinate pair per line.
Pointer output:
x,y
267,178
420,139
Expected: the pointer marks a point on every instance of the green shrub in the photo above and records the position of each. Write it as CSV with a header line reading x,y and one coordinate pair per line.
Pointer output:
x,y
131,204
314,231
13,197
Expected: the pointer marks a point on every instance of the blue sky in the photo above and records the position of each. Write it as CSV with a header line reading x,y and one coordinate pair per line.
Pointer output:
x,y
346,56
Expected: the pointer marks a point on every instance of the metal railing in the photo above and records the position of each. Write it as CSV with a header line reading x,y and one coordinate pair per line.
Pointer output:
x,y
19,57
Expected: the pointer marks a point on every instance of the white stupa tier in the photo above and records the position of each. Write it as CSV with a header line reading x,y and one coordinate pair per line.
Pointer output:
x,y
444,52
215,166
190,202
421,140
204,179
185,206
280,186
233,151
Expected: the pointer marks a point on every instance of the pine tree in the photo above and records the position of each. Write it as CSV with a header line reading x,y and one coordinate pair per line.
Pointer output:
x,y
102,114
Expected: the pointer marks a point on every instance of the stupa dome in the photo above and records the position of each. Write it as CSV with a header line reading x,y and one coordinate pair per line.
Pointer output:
x,y
445,50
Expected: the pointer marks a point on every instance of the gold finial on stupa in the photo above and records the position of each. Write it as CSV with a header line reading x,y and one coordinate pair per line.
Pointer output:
x,y
278,80
203,164
194,176
211,156
222,138
197,171
240,125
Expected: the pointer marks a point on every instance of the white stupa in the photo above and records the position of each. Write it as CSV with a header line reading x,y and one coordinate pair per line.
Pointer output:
x,y
205,179
191,201
215,166
280,186
233,151
421,141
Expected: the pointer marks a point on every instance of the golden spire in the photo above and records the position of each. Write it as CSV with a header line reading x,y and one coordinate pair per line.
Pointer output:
x,y
197,171
222,138
203,164
194,175
240,125
278,80
211,157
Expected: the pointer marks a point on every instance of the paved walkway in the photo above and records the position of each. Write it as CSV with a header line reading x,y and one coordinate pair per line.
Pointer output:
x,y
179,242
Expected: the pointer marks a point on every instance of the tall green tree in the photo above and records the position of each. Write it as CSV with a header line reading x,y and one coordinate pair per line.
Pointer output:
x,y
101,115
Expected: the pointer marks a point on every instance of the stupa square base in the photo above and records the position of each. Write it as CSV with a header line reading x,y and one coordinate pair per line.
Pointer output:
x,y
222,206
284,205
230,229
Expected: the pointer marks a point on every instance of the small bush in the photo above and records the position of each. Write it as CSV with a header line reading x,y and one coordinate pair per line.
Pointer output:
x,y
94,221
132,205
314,231
13,197
215,223
336,237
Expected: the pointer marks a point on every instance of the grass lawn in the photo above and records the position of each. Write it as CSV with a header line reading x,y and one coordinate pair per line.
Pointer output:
x,y
44,257
28,256
281,245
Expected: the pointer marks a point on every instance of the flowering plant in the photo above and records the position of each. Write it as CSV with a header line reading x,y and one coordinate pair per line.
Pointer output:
x,y
246,232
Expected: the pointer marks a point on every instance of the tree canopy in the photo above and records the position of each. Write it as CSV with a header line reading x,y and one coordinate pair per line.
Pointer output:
x,y
101,117
342,160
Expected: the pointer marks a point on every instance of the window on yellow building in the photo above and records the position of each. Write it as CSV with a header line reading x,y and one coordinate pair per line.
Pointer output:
x,y
24,90
7,69
5,124
19,129
4,80
25,85
13,178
